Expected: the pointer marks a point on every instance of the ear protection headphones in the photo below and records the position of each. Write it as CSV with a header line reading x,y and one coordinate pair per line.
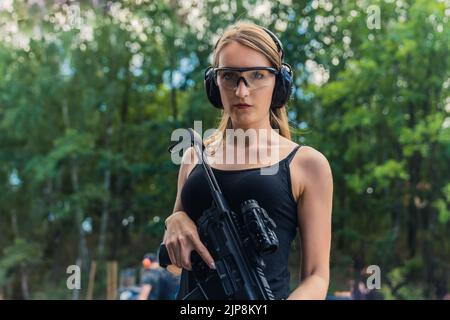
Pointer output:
x,y
283,81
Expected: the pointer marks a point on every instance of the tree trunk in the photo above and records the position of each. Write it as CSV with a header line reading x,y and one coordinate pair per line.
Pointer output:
x,y
82,245
413,171
173,97
76,292
173,90
24,282
83,254
105,215
92,271
116,214
23,271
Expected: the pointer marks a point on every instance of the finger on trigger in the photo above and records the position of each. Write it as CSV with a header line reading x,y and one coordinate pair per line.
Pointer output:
x,y
204,253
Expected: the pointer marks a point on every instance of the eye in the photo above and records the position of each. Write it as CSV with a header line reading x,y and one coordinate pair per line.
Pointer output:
x,y
227,75
257,75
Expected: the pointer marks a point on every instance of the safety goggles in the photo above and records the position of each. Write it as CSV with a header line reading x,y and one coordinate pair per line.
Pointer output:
x,y
253,77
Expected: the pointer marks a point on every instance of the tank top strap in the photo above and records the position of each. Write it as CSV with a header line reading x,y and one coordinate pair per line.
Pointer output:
x,y
292,154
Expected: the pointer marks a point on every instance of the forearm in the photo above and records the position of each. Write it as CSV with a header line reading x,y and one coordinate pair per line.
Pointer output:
x,y
313,287
145,291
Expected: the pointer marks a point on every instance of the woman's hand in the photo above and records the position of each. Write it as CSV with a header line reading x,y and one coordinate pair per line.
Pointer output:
x,y
181,238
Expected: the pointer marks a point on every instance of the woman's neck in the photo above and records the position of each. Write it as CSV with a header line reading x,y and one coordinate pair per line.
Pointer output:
x,y
252,136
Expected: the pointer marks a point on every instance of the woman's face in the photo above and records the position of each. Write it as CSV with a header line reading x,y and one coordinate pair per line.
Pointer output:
x,y
236,55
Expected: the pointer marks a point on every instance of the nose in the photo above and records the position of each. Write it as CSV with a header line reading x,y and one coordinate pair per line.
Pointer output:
x,y
241,90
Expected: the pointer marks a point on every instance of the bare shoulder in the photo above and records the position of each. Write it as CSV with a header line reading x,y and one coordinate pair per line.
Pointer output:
x,y
188,161
188,156
312,161
309,167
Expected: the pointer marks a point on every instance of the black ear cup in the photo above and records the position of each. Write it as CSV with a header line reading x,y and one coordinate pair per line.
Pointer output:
x,y
283,83
212,90
283,87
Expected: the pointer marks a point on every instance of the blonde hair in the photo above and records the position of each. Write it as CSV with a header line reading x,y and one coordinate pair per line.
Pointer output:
x,y
254,37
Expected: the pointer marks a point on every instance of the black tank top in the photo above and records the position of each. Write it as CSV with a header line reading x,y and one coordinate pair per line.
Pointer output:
x,y
273,193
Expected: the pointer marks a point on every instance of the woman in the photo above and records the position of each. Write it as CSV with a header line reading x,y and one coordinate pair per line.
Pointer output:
x,y
250,84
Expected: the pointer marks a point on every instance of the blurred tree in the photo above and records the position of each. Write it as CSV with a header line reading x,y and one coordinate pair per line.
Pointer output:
x,y
382,118
90,93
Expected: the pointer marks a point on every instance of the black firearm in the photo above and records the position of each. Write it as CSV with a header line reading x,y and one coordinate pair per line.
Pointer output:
x,y
237,243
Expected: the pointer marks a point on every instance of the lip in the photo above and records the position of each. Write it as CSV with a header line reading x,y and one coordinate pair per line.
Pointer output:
x,y
242,105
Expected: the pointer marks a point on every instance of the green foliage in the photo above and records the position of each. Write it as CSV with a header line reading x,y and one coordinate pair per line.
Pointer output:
x,y
19,254
87,108
442,205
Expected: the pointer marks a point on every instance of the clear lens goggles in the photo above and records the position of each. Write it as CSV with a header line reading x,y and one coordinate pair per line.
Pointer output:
x,y
254,77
